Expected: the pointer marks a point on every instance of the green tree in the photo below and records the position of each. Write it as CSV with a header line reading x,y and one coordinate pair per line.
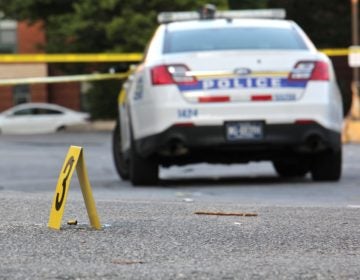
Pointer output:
x,y
119,25
326,22
102,99
97,26
247,4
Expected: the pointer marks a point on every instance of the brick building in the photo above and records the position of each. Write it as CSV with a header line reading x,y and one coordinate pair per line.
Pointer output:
x,y
23,38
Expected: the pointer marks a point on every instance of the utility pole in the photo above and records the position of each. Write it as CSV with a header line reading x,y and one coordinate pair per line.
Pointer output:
x,y
355,108
355,34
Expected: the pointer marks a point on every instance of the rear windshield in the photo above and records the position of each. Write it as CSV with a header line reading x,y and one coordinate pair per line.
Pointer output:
x,y
239,38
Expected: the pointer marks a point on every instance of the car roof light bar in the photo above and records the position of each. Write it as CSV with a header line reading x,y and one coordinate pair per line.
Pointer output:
x,y
261,13
167,17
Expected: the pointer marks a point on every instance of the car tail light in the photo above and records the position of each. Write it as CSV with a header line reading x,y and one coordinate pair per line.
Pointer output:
x,y
310,70
266,97
305,121
321,71
161,76
171,74
206,99
185,124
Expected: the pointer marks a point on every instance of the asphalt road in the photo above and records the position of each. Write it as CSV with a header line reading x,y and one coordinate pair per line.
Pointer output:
x,y
304,230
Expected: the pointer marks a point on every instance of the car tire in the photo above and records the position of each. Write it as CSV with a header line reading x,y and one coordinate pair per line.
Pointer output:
x,y
327,166
291,169
121,163
143,171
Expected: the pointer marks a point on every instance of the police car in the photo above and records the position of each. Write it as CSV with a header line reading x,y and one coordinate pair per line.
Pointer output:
x,y
230,87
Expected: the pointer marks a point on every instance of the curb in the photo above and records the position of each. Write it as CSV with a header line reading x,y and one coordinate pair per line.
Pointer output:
x,y
351,131
92,126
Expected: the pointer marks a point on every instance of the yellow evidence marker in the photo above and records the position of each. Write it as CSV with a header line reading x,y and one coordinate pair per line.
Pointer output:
x,y
74,159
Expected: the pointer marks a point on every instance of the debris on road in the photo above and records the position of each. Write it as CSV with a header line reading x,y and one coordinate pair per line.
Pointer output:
x,y
126,262
226,214
353,206
183,194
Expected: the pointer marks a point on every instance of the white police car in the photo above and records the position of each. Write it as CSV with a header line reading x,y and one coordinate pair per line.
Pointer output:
x,y
230,87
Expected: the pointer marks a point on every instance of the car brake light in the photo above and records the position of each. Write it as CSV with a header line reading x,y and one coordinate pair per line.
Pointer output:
x,y
205,99
266,97
171,74
185,124
161,76
310,70
305,121
321,71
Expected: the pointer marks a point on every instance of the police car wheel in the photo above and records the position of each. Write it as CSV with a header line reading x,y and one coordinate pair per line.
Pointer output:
x,y
143,171
291,169
121,164
327,166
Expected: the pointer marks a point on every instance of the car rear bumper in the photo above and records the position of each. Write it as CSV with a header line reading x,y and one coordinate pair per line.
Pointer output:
x,y
182,144
168,107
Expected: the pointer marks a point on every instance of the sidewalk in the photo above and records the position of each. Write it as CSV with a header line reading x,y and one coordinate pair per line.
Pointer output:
x,y
351,127
107,125
351,131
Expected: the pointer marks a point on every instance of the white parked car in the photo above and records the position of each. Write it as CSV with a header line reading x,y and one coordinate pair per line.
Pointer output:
x,y
228,88
31,118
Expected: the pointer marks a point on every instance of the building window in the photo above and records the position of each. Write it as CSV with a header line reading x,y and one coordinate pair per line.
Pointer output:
x,y
21,94
8,36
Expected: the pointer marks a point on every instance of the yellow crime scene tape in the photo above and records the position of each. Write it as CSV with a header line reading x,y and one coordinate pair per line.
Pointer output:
x,y
88,58
70,58
335,52
67,58
111,57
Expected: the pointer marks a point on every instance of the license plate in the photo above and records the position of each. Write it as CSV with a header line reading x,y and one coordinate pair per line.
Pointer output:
x,y
244,131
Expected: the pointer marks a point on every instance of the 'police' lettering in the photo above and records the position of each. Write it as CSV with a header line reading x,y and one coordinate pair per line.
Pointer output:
x,y
261,82
234,83
224,83
208,84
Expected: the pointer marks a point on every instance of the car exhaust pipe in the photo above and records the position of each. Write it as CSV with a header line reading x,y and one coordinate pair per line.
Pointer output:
x,y
175,147
314,143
